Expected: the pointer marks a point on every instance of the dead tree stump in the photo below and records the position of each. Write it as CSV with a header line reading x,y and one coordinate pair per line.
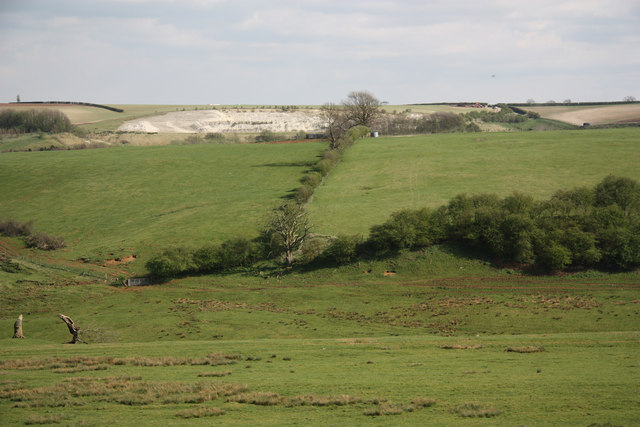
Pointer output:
x,y
73,328
17,328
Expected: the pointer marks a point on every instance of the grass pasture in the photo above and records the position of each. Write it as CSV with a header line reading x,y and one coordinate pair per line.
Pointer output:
x,y
505,351
440,336
136,200
379,176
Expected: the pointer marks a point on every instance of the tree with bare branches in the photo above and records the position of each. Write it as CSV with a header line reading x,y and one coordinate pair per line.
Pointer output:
x,y
289,226
335,123
362,108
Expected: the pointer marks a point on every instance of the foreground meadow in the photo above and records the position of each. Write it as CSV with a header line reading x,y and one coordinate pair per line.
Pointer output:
x,y
342,347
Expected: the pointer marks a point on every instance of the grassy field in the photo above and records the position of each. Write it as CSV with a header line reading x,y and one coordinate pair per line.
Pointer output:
x,y
133,200
442,336
379,176
361,349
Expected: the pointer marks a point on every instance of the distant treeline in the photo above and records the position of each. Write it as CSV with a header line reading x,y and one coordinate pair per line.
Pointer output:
x,y
576,104
50,121
88,104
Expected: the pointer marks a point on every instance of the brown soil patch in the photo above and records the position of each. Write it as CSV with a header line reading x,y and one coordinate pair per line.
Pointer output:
x,y
119,261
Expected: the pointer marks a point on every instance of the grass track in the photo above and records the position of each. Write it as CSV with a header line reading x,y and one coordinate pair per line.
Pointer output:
x,y
379,176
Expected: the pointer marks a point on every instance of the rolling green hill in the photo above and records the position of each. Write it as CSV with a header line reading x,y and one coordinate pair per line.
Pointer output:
x,y
379,176
133,200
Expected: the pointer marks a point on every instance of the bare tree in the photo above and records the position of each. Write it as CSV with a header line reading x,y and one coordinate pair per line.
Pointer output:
x,y
335,122
629,99
362,108
290,226
73,328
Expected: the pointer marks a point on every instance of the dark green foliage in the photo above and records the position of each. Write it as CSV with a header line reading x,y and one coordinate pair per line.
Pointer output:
x,y
208,258
237,252
311,179
581,227
620,191
51,121
620,247
303,194
171,263
342,250
324,166
407,229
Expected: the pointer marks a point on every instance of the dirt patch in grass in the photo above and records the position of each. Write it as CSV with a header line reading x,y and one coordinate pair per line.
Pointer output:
x,y
525,349
461,347
118,261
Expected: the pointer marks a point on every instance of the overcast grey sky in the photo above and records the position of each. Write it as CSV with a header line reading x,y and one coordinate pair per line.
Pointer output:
x,y
316,51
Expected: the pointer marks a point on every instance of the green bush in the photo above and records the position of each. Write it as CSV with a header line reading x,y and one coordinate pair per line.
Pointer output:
x,y
407,229
171,263
303,194
51,121
207,258
238,252
324,166
343,249
311,179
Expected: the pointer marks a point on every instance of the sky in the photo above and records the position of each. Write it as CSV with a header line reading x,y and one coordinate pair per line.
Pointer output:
x,y
294,52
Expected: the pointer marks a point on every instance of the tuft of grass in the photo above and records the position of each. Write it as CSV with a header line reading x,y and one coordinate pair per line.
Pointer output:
x,y
260,398
461,347
215,374
44,419
200,413
476,409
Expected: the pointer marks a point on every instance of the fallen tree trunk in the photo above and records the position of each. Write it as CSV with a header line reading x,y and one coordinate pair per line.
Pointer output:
x,y
73,328
17,328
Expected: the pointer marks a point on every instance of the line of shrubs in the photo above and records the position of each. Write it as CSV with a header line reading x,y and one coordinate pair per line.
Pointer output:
x,y
241,252
32,239
579,228
50,121
330,158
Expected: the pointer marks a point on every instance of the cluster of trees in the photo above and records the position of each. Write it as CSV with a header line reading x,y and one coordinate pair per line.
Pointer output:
x,y
403,124
50,121
505,115
595,227
282,236
359,109
583,227
32,239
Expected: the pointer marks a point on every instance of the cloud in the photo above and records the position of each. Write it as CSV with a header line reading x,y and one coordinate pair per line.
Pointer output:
x,y
317,50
